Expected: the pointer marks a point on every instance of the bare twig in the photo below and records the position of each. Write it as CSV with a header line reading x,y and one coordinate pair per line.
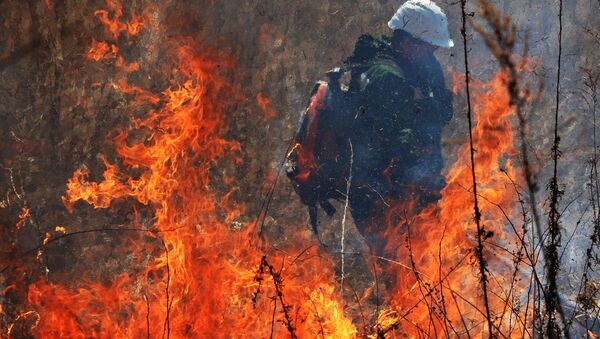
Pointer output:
x,y
480,229
273,317
264,207
591,82
167,323
462,318
501,43
360,309
376,291
278,285
348,183
553,305
147,316
321,329
70,234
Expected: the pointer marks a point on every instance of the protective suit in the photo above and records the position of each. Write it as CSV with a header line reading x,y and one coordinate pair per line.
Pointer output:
x,y
381,130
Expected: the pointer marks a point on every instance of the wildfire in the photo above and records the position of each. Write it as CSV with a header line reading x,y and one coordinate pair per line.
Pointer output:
x,y
101,50
25,214
202,279
116,25
437,290
204,276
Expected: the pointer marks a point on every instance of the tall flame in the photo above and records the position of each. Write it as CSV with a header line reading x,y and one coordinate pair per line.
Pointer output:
x,y
203,280
205,277
437,289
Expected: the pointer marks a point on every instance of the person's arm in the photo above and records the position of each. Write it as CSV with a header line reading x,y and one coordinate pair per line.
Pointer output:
x,y
439,101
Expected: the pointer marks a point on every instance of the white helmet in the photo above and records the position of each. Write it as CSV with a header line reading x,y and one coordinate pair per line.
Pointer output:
x,y
424,20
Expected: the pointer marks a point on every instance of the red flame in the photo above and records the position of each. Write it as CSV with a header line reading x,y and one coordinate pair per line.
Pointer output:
x,y
101,50
203,280
113,23
435,246
23,217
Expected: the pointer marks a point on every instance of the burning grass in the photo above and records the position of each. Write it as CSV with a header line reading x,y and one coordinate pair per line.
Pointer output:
x,y
198,269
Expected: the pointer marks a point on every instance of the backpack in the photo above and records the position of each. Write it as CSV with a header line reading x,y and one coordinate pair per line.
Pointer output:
x,y
318,164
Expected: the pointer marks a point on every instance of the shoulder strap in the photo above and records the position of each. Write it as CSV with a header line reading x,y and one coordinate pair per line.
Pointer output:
x,y
367,51
368,48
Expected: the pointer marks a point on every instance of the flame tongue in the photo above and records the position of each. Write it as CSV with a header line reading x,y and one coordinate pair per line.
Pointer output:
x,y
205,276
436,245
202,279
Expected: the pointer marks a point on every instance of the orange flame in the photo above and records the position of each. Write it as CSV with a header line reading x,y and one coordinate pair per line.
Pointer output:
x,y
23,217
436,280
115,26
204,281
101,50
127,67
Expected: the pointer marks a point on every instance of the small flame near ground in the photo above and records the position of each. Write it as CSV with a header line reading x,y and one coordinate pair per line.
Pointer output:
x,y
207,279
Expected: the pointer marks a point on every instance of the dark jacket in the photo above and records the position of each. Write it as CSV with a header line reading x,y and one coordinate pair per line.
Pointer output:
x,y
397,137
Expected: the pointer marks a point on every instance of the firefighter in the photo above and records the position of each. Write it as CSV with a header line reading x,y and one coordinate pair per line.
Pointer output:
x,y
386,122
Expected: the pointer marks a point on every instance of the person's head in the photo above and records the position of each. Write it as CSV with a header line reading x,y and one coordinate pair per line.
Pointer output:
x,y
409,46
420,26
